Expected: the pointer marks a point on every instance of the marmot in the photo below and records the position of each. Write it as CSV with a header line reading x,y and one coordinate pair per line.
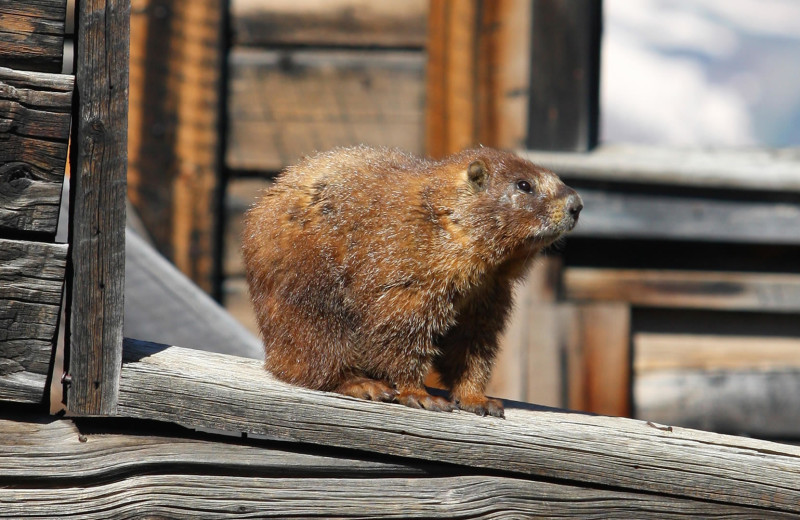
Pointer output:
x,y
368,266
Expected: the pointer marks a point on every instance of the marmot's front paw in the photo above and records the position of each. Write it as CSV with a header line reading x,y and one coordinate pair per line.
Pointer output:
x,y
369,389
419,398
482,406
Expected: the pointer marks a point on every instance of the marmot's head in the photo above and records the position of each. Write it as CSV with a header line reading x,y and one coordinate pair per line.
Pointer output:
x,y
515,205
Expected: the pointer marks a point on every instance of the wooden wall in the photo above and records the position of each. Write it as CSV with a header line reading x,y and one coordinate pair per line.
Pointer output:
x,y
35,114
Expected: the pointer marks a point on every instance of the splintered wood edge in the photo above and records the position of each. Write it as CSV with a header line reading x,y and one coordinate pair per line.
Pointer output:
x,y
215,391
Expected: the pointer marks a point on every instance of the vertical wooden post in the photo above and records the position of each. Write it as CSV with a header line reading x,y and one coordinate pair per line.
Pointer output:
x,y
97,206
565,75
599,359
476,73
177,87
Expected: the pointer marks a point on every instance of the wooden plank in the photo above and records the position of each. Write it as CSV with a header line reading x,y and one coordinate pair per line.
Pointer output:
x,y
508,67
760,292
32,34
565,75
109,450
735,168
630,215
477,74
168,383
599,359
135,472
35,115
175,132
97,206
733,384
759,403
31,284
654,352
284,105
325,23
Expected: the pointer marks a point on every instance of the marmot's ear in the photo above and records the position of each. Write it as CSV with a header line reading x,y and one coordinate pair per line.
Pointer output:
x,y
477,174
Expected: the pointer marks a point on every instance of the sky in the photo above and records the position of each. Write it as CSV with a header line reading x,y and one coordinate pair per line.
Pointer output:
x,y
701,72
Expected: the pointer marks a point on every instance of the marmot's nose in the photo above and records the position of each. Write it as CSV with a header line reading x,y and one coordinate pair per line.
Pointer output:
x,y
574,205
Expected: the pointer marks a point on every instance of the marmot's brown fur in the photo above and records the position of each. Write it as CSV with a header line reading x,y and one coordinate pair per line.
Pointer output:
x,y
367,267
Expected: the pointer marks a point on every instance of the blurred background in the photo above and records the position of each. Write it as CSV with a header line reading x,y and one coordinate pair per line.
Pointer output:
x,y
675,300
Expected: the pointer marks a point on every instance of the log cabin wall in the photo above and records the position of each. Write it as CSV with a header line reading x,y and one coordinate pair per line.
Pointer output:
x,y
35,108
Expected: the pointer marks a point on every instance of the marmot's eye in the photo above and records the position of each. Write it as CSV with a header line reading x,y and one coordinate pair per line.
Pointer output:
x,y
524,186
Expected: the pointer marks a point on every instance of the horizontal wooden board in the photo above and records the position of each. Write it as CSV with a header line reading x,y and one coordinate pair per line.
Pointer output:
x,y
761,292
31,283
654,352
204,390
284,105
32,34
759,403
135,473
34,132
741,168
628,215
329,22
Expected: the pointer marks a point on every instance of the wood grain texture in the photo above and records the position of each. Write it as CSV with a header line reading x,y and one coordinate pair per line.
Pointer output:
x,y
761,292
739,168
177,65
31,284
598,357
351,23
284,105
565,72
131,473
655,352
34,132
32,34
199,389
616,214
754,402
477,74
97,206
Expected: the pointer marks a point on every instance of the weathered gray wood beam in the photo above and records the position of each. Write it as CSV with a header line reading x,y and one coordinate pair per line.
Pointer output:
x,y
32,34
741,168
648,216
31,283
34,132
203,390
759,292
97,205
98,470
759,402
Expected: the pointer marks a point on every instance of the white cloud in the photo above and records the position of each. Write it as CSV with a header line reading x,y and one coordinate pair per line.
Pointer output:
x,y
652,97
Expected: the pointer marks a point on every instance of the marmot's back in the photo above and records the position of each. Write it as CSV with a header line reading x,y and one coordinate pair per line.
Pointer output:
x,y
366,267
